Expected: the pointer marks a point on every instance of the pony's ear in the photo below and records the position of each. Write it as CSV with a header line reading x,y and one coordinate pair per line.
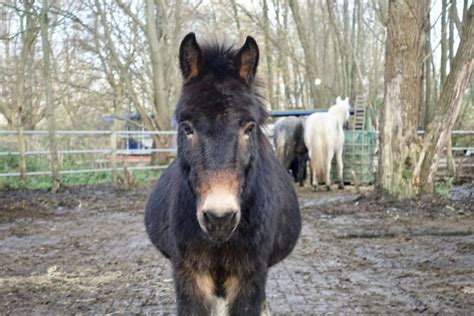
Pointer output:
x,y
246,60
190,58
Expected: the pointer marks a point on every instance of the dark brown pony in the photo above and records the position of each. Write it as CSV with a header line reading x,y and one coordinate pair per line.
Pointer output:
x,y
225,210
288,137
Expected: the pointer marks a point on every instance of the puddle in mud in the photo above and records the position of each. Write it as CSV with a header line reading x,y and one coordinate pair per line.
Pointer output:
x,y
323,200
463,192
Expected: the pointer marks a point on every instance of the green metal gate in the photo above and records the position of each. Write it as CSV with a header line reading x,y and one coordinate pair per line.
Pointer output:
x,y
358,155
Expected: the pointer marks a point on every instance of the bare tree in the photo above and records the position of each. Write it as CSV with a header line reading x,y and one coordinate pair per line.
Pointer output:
x,y
15,112
448,106
404,53
444,41
154,23
309,53
123,58
51,117
49,97
428,76
269,53
408,164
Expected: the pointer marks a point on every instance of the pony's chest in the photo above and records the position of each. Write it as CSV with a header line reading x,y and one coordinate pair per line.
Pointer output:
x,y
219,267
221,262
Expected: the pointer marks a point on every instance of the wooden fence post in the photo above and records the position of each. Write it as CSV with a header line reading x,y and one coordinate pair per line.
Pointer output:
x,y
21,151
450,165
113,155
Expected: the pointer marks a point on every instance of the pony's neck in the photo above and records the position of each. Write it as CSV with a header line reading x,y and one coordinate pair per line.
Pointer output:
x,y
339,112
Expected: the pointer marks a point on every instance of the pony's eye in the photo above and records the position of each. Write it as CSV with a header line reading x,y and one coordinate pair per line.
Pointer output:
x,y
188,130
249,128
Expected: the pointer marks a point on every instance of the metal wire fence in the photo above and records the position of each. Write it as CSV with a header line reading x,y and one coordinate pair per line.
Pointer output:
x,y
94,151
83,151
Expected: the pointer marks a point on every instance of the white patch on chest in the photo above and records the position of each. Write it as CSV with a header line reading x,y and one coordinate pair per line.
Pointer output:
x,y
219,307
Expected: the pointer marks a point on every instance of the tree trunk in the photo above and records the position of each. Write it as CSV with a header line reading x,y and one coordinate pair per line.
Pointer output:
x,y
268,55
21,151
28,39
444,42
159,101
118,100
235,13
148,122
308,53
158,46
428,100
113,153
405,49
49,97
346,40
450,164
346,49
359,49
451,34
284,63
448,107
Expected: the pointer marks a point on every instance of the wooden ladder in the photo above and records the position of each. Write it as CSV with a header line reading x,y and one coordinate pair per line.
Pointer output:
x,y
358,119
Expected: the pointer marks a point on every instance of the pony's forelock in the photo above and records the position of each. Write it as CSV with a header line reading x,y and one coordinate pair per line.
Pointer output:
x,y
218,59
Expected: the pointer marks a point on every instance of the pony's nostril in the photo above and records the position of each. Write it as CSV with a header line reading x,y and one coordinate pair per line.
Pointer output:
x,y
234,218
216,220
228,218
209,221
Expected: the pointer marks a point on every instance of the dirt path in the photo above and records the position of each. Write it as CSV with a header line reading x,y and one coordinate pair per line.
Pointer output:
x,y
85,251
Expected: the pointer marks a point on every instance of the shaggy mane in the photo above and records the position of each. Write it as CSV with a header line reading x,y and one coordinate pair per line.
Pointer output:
x,y
218,59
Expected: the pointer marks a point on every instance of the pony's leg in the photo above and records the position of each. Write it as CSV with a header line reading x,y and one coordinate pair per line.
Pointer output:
x,y
328,171
250,299
340,168
310,174
314,178
302,161
265,310
194,294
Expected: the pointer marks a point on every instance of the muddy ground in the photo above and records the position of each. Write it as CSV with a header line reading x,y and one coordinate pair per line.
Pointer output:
x,y
85,251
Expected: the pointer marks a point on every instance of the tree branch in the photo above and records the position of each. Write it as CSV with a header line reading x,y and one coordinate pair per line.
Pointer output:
x,y
126,8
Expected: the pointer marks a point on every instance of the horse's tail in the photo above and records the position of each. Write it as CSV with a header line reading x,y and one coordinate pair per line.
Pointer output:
x,y
321,157
280,146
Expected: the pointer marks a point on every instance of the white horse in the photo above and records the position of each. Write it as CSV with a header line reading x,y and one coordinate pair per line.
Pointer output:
x,y
324,138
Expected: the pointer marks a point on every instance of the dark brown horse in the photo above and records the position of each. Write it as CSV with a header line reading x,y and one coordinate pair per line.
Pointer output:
x,y
288,137
225,210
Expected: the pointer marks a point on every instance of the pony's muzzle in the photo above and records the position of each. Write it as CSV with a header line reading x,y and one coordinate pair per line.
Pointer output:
x,y
219,216
220,225
218,210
